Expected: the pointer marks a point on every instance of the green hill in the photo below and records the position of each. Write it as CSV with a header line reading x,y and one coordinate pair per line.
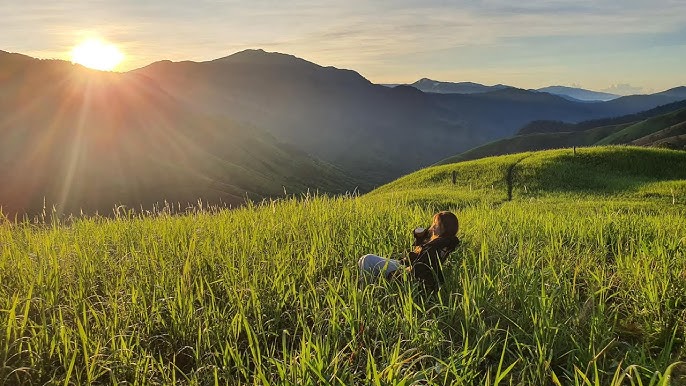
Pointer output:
x,y
673,137
643,128
617,171
534,142
634,133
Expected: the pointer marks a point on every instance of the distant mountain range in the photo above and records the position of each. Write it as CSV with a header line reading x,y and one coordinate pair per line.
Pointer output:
x,y
248,124
579,94
374,132
429,85
570,93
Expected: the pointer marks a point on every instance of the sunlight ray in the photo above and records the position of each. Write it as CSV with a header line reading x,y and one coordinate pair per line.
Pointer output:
x,y
76,150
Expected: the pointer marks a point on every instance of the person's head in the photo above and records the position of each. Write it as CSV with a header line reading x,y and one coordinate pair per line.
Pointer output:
x,y
444,224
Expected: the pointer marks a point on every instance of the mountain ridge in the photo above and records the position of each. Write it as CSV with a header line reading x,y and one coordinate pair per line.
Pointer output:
x,y
574,94
679,91
351,132
559,126
435,86
579,93
92,140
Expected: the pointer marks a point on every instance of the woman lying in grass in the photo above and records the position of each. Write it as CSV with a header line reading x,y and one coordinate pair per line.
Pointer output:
x,y
432,247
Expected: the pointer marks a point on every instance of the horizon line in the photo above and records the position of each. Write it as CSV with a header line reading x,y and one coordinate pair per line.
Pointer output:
x,y
574,86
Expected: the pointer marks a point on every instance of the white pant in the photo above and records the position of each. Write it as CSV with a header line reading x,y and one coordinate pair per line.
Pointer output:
x,y
374,266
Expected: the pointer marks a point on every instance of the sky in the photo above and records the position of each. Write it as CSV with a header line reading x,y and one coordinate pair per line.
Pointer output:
x,y
620,46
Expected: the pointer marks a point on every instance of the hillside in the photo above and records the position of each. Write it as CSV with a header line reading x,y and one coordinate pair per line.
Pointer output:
x,y
333,114
84,140
616,171
559,126
633,133
644,128
511,108
534,142
673,137
368,130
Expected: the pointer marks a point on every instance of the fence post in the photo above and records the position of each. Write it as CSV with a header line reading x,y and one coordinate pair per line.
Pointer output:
x,y
454,177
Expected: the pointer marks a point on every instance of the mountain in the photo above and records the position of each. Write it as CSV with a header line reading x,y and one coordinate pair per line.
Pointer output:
x,y
570,93
665,130
85,140
509,109
676,92
578,94
636,103
373,132
434,86
247,124
559,126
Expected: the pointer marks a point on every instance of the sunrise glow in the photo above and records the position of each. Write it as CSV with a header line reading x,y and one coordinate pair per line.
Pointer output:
x,y
96,54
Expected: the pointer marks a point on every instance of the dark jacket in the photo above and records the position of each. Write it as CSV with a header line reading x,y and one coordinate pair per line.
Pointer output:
x,y
427,258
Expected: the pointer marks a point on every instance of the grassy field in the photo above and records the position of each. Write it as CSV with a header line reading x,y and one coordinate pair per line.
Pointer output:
x,y
572,271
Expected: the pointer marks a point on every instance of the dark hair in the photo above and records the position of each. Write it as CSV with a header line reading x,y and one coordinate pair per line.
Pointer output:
x,y
448,222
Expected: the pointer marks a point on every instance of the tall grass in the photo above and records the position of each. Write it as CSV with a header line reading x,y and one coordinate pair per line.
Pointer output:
x,y
268,294
543,290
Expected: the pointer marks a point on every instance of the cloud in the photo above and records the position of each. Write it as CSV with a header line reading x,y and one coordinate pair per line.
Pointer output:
x,y
373,32
624,89
381,27
383,39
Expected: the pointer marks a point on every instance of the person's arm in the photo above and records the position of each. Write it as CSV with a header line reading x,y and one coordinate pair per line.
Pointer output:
x,y
412,256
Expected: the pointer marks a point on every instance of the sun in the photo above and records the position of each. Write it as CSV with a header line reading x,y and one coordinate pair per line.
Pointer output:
x,y
96,54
